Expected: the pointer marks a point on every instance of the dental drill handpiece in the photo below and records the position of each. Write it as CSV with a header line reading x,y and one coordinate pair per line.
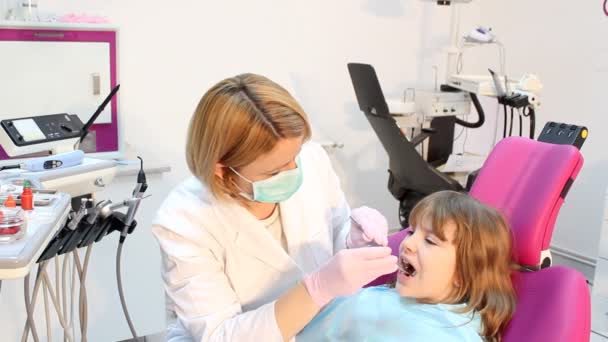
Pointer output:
x,y
135,200
59,242
95,219
76,228
82,211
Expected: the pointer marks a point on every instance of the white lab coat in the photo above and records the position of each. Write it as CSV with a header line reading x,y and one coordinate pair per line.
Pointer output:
x,y
223,270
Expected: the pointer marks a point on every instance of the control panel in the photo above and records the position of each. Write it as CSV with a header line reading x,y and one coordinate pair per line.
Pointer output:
x,y
438,103
563,134
40,129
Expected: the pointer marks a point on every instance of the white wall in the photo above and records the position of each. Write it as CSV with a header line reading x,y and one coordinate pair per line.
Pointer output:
x,y
171,52
565,43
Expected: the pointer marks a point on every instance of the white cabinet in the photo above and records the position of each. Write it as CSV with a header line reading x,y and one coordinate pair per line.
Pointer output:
x,y
50,77
52,68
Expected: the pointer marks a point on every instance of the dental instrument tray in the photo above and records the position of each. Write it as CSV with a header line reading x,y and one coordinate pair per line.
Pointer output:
x,y
18,256
13,185
40,200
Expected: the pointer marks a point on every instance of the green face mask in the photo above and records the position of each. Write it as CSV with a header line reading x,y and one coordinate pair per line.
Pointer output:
x,y
277,188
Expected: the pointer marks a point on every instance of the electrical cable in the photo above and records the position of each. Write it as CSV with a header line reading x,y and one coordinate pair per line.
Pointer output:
x,y
28,308
606,7
26,327
57,283
511,123
69,267
64,296
79,268
46,314
504,128
481,115
459,133
47,281
464,143
520,123
81,293
120,291
532,115
86,302
41,279
84,299
72,301
459,59
495,127
459,63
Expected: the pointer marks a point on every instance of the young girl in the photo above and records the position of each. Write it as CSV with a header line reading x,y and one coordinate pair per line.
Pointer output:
x,y
453,283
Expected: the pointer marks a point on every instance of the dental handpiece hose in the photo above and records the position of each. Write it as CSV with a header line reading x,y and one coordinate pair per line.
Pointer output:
x,y
133,205
123,236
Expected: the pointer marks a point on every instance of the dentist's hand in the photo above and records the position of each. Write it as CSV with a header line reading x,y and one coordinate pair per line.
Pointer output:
x,y
367,227
348,271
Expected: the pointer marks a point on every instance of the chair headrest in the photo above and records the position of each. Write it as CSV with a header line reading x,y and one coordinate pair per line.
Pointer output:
x,y
527,181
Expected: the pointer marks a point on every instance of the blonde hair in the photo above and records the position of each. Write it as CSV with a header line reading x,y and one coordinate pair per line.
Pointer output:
x,y
483,256
235,122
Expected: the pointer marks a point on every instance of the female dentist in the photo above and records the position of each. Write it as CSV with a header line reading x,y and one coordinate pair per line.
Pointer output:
x,y
261,238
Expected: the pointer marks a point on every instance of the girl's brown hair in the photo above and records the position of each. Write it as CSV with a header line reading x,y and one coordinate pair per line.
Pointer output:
x,y
483,256
236,121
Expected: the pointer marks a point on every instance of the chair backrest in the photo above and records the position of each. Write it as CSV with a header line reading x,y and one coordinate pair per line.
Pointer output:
x,y
527,181
410,170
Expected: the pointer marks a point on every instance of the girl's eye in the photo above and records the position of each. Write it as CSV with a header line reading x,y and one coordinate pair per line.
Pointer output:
x,y
428,240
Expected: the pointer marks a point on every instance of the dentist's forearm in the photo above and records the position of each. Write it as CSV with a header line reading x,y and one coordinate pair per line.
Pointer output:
x,y
294,310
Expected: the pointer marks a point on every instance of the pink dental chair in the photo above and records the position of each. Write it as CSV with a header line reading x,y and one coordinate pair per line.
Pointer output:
x,y
527,181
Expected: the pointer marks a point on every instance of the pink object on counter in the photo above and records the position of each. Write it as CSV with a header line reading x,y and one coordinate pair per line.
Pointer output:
x,y
82,18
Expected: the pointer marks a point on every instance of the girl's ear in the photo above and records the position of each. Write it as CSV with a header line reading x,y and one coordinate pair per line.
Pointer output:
x,y
219,170
457,282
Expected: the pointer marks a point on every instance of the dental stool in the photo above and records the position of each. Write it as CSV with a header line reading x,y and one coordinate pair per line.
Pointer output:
x,y
527,181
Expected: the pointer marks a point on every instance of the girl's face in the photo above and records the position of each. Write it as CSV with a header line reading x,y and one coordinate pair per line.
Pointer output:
x,y
427,264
